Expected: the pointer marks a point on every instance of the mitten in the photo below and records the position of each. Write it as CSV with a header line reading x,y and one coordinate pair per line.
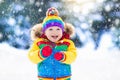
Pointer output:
x,y
59,56
46,51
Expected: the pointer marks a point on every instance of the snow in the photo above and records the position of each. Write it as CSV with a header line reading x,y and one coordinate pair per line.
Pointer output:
x,y
14,64
90,64
11,21
96,65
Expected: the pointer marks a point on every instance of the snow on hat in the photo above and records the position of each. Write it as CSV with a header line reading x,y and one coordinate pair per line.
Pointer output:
x,y
52,19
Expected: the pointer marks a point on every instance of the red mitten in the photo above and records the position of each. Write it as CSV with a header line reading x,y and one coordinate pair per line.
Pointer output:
x,y
46,51
59,56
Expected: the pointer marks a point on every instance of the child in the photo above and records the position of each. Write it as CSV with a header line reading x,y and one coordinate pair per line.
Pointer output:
x,y
52,50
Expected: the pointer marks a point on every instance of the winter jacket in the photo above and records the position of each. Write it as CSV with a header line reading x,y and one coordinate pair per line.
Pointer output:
x,y
49,67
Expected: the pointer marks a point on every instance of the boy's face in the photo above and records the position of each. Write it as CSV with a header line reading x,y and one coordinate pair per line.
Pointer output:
x,y
53,33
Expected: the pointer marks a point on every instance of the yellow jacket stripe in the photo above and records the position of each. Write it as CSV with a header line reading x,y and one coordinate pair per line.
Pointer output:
x,y
33,53
70,53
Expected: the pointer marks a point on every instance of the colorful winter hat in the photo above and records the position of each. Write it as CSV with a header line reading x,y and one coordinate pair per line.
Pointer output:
x,y
52,19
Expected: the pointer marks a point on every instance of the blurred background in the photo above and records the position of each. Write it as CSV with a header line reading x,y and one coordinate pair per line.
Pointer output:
x,y
92,20
97,37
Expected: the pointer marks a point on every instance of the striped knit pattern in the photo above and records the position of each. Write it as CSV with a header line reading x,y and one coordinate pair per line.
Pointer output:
x,y
66,78
50,21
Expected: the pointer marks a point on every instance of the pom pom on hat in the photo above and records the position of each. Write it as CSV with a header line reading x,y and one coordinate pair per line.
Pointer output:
x,y
52,12
52,19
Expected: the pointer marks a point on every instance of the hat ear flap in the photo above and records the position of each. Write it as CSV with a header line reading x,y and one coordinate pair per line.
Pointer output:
x,y
36,31
69,29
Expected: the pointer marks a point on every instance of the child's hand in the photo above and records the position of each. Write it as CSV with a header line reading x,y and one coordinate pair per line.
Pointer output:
x,y
46,51
59,56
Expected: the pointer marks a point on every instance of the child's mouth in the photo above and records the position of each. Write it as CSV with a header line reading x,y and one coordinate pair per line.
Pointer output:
x,y
54,37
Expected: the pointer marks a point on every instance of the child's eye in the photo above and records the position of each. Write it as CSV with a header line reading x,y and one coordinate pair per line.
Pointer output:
x,y
58,29
51,29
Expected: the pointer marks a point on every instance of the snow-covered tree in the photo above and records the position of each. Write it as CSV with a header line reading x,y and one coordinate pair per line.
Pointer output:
x,y
91,18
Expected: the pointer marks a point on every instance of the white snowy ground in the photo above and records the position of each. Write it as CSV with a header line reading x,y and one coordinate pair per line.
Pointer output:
x,y
89,65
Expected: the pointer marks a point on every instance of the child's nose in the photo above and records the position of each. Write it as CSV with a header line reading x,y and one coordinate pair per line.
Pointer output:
x,y
55,31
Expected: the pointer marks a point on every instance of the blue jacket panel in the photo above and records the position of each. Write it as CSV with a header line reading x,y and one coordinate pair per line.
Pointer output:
x,y
52,68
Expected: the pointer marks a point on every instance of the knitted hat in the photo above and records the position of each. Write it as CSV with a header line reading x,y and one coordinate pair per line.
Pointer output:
x,y
52,19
